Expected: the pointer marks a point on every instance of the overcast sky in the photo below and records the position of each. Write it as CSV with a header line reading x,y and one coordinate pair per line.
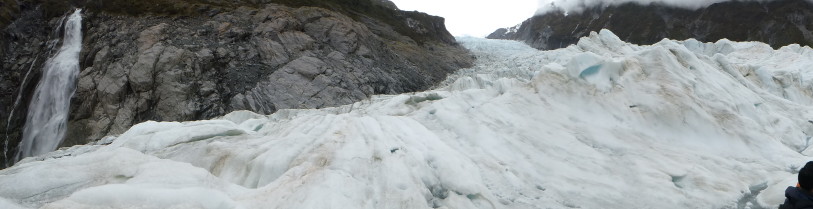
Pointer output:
x,y
474,17
578,5
481,17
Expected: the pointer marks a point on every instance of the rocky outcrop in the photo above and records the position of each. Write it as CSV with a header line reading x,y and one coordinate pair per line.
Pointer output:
x,y
260,57
777,23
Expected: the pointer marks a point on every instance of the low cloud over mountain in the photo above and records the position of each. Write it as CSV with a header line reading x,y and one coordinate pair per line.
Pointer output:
x,y
580,5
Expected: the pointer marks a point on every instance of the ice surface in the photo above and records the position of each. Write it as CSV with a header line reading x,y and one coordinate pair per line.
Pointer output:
x,y
4,203
601,124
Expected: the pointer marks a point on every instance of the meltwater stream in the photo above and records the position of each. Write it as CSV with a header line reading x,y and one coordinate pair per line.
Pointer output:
x,y
48,112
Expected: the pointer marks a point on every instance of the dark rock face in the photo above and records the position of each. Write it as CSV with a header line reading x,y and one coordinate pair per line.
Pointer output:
x,y
260,58
8,9
23,56
777,23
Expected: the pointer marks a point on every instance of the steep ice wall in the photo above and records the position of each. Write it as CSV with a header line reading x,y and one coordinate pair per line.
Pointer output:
x,y
601,124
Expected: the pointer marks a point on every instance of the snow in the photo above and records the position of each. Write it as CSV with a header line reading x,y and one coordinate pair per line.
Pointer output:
x,y
601,124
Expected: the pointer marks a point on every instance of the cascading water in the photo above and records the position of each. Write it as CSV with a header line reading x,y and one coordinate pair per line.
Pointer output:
x,y
48,112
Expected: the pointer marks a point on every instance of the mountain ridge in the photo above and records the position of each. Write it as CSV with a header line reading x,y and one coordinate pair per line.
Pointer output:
x,y
778,23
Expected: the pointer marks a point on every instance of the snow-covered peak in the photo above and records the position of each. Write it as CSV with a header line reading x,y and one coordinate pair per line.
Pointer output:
x,y
600,124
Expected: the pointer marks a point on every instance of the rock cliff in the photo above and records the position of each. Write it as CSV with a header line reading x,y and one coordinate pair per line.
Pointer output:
x,y
191,60
777,23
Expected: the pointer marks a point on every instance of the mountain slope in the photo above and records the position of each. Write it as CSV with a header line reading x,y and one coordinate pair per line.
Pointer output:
x,y
778,23
601,124
198,59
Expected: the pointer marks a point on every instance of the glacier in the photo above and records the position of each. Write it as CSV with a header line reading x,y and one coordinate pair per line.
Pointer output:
x,y
600,124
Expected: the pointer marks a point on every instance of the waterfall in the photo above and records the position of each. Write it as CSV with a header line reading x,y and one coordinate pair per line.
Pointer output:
x,y
47,118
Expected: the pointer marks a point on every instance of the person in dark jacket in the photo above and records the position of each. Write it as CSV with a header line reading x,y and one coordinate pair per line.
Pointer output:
x,y
801,196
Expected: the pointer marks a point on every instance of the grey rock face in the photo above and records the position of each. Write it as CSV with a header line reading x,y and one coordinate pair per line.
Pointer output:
x,y
778,23
260,59
257,59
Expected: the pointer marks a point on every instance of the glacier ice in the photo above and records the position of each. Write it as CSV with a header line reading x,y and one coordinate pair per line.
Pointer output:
x,y
678,124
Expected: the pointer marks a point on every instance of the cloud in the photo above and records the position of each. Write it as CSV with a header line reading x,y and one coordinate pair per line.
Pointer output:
x,y
579,5
473,17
